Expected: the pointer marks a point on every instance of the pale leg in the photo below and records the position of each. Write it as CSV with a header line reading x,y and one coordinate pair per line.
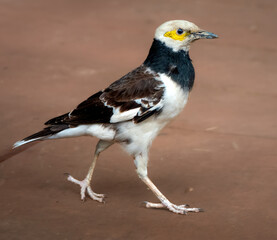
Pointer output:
x,y
141,164
85,184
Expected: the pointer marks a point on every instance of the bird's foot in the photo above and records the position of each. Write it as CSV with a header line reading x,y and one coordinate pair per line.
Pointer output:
x,y
180,209
85,188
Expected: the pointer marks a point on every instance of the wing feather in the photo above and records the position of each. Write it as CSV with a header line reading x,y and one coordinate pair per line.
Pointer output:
x,y
136,96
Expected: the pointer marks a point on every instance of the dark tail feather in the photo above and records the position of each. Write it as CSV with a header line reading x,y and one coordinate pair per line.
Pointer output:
x,y
57,120
43,134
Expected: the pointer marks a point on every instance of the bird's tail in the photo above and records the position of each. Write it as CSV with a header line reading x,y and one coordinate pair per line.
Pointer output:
x,y
42,135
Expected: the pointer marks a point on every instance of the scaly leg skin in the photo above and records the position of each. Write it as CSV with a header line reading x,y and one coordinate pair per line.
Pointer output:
x,y
141,161
85,188
85,184
181,209
165,203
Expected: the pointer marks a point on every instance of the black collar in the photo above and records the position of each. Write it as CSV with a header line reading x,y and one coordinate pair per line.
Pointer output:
x,y
177,65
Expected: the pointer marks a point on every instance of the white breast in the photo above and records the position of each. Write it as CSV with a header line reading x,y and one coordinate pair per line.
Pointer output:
x,y
175,98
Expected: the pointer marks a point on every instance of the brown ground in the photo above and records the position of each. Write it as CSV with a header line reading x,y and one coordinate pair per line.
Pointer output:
x,y
219,154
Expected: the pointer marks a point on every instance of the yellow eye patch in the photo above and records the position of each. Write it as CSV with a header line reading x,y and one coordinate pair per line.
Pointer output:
x,y
174,35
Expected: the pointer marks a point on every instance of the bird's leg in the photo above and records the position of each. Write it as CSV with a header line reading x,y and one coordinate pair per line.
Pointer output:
x,y
85,184
141,164
165,203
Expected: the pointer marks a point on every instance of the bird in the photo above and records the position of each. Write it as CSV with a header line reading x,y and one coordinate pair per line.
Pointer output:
x,y
135,108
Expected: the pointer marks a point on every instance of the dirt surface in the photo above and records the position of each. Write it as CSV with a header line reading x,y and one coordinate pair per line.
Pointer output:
x,y
219,154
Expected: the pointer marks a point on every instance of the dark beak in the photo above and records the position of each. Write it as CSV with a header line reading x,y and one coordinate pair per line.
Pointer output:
x,y
204,34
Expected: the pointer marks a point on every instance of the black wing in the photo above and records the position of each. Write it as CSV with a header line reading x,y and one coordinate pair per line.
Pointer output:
x,y
136,96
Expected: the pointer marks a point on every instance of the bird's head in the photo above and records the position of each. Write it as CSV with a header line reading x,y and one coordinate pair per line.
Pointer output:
x,y
178,34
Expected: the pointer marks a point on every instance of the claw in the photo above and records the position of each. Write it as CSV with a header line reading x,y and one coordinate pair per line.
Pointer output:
x,y
185,212
85,188
143,204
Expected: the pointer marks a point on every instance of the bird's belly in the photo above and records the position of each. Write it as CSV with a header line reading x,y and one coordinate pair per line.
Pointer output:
x,y
136,138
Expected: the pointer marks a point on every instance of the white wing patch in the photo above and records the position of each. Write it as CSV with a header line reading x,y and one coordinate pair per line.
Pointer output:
x,y
146,105
123,116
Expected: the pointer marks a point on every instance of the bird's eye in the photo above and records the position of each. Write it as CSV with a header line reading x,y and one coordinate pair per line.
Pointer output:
x,y
180,31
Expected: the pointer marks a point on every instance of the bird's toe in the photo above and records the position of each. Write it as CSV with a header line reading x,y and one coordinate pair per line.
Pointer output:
x,y
85,188
179,209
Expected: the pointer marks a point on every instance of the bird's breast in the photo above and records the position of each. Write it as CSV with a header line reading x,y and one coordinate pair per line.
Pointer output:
x,y
175,98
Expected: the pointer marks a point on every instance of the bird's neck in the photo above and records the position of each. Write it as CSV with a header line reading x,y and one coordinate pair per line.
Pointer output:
x,y
177,65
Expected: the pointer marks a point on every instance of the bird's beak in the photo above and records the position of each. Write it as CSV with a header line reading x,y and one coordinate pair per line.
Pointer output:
x,y
203,34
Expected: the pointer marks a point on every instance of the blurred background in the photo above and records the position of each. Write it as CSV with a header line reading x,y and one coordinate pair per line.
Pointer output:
x,y
219,154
